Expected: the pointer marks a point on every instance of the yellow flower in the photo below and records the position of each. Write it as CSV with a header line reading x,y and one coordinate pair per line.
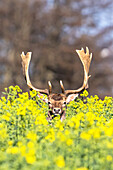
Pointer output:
x,y
18,88
59,125
3,134
108,131
85,135
90,117
60,161
109,144
61,136
109,158
95,133
67,132
23,150
19,143
3,99
31,151
71,124
13,150
8,150
30,144
50,137
6,117
30,159
32,136
77,124
33,93
10,142
69,142
76,121
84,94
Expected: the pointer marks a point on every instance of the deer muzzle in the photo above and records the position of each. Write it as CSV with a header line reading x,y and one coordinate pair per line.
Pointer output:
x,y
56,111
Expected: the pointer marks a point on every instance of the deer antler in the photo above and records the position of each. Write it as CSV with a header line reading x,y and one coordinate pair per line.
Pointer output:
x,y
50,87
62,86
25,65
86,60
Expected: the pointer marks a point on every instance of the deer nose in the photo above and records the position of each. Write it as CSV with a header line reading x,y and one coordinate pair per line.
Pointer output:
x,y
57,110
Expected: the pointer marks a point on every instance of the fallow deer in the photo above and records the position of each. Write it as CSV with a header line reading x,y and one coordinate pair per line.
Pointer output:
x,y
57,101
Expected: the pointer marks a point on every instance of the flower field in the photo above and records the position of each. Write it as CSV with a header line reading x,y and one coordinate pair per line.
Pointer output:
x,y
83,141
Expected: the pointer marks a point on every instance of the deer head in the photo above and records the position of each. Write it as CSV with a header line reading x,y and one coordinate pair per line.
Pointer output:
x,y
57,101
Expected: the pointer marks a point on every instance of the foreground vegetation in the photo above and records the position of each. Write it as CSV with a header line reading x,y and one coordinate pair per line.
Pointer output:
x,y
84,141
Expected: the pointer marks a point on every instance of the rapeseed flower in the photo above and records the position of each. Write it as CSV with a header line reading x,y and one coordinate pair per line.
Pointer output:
x,y
60,162
109,158
61,137
10,142
30,159
69,142
85,135
6,117
83,140
30,144
13,150
31,135
23,150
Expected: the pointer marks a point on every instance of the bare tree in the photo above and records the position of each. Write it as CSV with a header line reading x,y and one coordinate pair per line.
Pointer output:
x,y
52,31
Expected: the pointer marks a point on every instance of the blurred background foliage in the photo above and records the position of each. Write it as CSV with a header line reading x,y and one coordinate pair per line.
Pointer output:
x,y
52,30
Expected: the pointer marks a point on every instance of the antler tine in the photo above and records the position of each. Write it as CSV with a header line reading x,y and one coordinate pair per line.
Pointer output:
x,y
86,60
50,87
25,65
62,86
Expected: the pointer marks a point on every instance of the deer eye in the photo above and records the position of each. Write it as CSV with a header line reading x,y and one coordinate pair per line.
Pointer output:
x,y
64,103
49,102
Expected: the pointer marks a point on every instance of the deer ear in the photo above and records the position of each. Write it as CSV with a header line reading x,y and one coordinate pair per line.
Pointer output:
x,y
43,98
71,97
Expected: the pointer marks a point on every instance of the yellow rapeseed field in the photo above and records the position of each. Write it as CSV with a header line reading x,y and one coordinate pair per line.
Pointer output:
x,y
83,141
